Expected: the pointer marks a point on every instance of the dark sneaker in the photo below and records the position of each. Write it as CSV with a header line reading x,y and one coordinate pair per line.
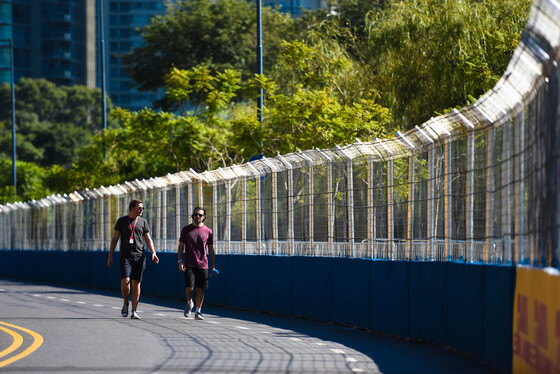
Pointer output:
x,y
134,315
188,309
124,310
199,316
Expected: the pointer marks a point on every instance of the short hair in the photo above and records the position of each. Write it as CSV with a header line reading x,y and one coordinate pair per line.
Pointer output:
x,y
134,203
199,208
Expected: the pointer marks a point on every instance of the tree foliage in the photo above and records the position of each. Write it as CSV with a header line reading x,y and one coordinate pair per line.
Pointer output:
x,y
317,106
430,55
51,121
218,131
153,143
78,105
29,181
219,34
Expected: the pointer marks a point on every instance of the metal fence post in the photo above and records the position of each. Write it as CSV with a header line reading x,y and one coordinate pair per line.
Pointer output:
x,y
490,144
520,239
470,185
258,208
290,204
447,198
311,227
430,222
507,194
330,202
228,214
244,215
350,199
371,210
410,200
390,216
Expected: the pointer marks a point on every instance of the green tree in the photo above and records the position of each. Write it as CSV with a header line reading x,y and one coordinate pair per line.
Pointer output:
x,y
220,34
320,103
78,105
322,59
306,120
51,121
352,14
152,143
430,55
218,131
26,134
29,181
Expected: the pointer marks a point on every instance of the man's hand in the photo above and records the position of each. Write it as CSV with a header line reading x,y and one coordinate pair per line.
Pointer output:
x,y
155,258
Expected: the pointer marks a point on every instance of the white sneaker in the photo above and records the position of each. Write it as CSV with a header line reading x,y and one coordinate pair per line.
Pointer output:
x,y
134,315
188,309
198,316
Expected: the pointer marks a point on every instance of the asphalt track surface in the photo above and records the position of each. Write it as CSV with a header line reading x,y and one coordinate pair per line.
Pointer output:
x,y
82,331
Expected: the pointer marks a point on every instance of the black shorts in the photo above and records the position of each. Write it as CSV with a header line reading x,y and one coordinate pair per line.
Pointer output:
x,y
195,277
133,267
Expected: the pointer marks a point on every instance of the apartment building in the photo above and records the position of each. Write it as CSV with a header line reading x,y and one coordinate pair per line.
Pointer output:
x,y
59,40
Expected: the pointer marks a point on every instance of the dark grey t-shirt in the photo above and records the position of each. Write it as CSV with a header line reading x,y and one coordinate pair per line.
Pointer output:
x,y
125,225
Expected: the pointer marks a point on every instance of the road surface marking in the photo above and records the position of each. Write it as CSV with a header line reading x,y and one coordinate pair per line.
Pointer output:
x,y
37,342
18,341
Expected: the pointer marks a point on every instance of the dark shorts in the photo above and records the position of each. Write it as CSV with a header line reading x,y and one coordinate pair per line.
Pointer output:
x,y
195,277
133,267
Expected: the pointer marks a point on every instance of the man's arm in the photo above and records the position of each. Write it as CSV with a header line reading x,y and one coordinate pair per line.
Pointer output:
x,y
114,241
212,257
150,245
180,256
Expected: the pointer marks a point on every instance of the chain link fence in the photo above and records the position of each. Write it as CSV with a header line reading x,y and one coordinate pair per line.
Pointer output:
x,y
478,185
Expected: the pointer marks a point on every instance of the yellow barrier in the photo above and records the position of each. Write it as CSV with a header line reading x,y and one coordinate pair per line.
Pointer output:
x,y
536,321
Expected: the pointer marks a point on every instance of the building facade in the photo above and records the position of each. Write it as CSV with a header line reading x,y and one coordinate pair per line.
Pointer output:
x,y
60,40
53,39
294,7
122,19
5,36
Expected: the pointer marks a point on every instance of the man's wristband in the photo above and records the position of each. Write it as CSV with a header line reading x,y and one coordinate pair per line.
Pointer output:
x,y
180,261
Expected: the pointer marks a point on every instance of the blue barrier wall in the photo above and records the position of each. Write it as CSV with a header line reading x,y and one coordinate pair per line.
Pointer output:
x,y
466,307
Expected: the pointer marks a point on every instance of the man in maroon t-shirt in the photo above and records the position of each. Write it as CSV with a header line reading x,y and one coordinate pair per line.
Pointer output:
x,y
195,239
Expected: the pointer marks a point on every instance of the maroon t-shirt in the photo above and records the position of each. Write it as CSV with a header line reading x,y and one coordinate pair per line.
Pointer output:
x,y
195,240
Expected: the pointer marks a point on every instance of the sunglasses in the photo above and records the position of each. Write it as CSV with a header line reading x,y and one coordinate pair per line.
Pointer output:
x,y
140,208
198,215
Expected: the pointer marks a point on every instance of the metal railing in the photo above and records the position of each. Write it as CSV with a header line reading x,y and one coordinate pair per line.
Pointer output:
x,y
478,185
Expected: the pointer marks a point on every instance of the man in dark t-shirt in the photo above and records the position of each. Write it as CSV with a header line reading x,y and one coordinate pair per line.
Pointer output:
x,y
134,233
194,240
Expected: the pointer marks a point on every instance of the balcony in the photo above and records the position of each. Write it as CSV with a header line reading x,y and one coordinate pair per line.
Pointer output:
x,y
57,17
58,54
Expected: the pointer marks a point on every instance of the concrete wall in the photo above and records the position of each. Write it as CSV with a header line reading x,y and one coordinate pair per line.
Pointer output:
x,y
466,307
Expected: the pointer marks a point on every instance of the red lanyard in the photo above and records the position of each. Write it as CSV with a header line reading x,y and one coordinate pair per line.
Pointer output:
x,y
132,228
